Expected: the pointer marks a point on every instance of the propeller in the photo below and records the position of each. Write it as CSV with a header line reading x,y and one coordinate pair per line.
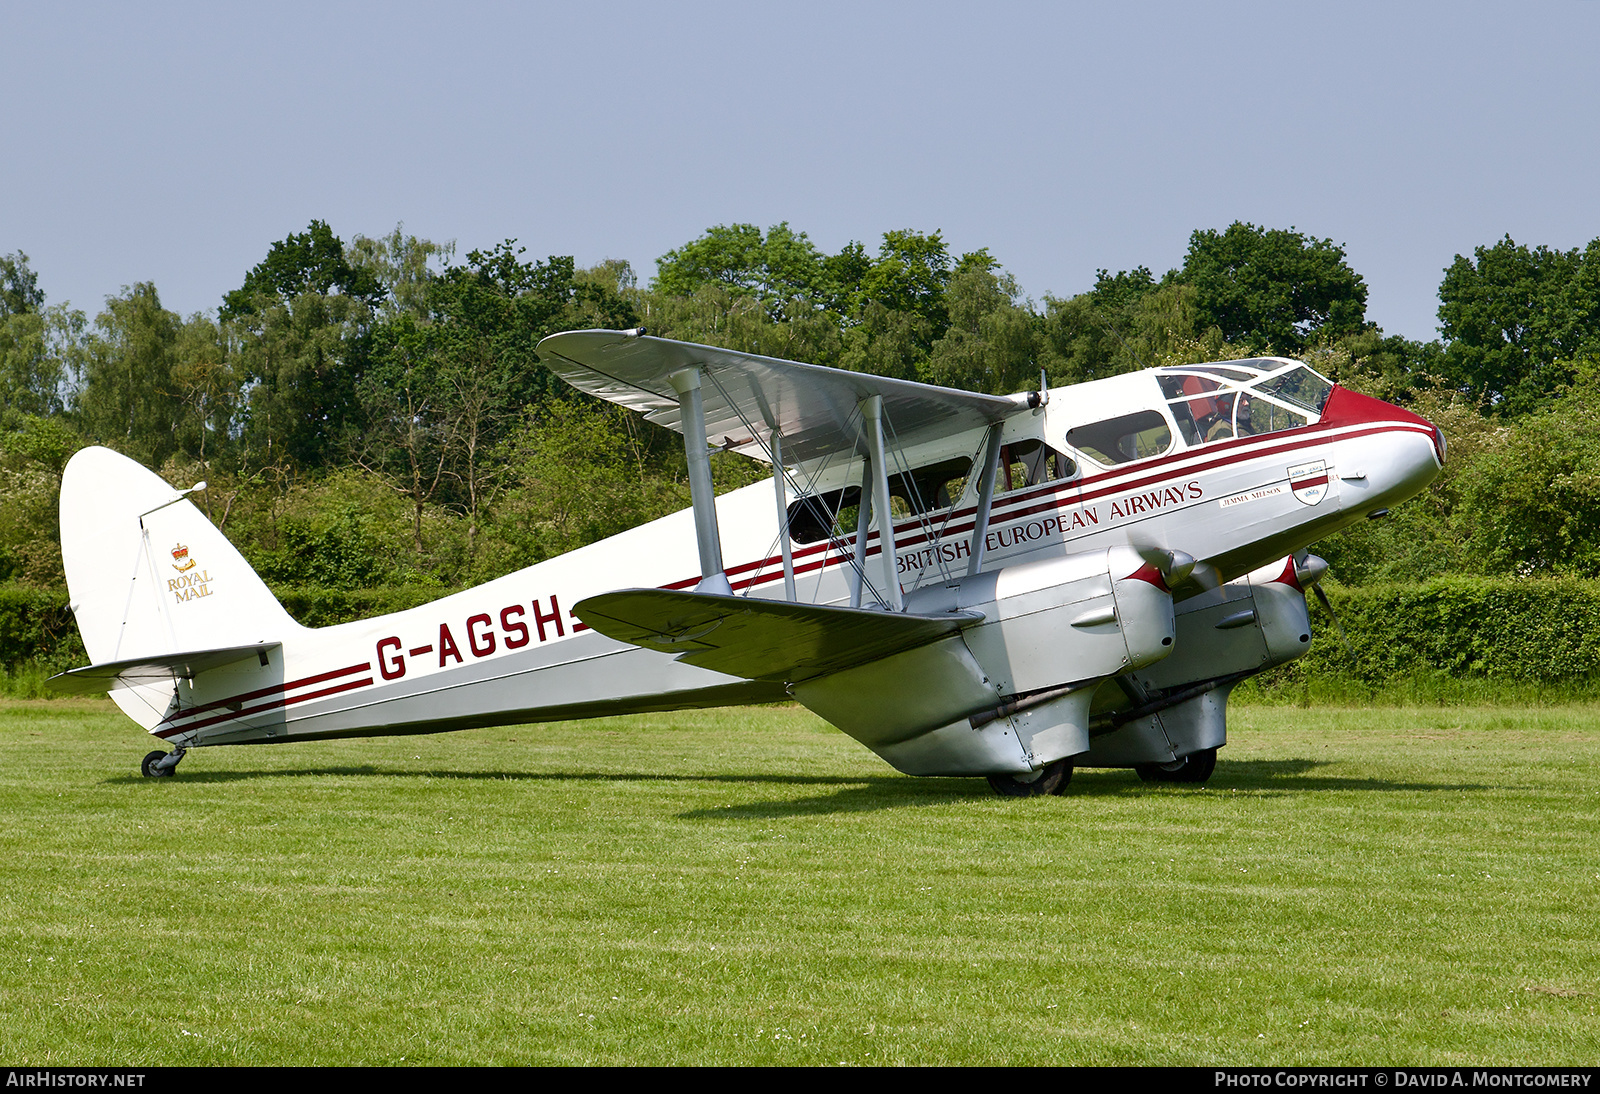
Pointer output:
x,y
1309,570
1175,566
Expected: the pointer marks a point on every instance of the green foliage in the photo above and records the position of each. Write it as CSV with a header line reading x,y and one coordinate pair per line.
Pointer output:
x,y
992,343
313,261
127,401
301,361
328,606
1125,323
375,415
1515,319
33,450
403,265
19,286
1272,288
782,268
576,478
1515,498
41,353
1535,496
346,530
910,277
339,531
37,629
1509,631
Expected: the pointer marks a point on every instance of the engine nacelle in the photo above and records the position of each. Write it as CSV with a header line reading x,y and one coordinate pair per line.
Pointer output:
x,y
1010,694
1256,622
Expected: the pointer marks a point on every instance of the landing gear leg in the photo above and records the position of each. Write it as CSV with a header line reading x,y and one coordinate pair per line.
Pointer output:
x,y
1051,779
160,765
1196,767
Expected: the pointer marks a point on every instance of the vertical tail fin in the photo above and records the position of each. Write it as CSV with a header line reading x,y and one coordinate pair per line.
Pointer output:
x,y
148,574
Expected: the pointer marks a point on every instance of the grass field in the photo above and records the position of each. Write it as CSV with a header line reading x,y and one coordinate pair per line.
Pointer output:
x,y
1402,885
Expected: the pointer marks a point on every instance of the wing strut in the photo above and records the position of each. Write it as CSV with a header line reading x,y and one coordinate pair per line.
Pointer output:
x,y
783,516
858,569
875,502
713,577
872,411
980,523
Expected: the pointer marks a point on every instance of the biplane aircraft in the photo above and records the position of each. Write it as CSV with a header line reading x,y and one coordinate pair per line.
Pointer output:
x,y
971,585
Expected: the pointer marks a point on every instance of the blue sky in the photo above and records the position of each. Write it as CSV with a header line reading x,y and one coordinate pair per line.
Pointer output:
x,y
173,143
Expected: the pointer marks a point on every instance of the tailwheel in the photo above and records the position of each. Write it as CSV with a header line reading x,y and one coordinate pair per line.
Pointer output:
x,y
160,765
1050,779
1194,768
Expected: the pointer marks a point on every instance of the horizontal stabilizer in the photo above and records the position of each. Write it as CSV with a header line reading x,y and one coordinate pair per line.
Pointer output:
x,y
157,669
761,639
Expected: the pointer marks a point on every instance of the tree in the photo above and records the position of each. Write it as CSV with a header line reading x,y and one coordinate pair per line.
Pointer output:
x,y
407,439
1128,321
402,265
301,329
313,261
911,275
991,344
19,286
442,389
203,382
301,360
1514,319
782,268
41,349
1278,289
127,399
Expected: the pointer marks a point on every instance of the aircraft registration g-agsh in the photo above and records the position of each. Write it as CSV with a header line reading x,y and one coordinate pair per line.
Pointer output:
x,y
995,586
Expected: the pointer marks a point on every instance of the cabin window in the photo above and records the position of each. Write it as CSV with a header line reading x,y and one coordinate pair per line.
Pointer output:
x,y
1130,437
818,516
921,490
1031,462
934,486
1202,407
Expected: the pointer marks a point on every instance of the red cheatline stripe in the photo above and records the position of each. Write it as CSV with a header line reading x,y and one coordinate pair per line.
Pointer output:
x,y
264,707
1010,511
1093,487
275,689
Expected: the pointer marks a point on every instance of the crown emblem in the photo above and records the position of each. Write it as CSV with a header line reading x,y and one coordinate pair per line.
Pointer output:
x,y
180,558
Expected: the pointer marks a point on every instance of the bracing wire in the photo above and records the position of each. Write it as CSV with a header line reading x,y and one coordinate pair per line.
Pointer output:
x,y
838,543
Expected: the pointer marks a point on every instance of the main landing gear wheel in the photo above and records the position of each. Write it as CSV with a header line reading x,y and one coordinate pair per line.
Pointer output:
x,y
1051,779
1196,767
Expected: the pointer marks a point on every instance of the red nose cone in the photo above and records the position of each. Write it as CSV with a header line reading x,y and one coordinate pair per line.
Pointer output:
x,y
1345,407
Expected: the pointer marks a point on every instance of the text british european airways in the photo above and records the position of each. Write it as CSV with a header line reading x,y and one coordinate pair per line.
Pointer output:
x,y
1064,523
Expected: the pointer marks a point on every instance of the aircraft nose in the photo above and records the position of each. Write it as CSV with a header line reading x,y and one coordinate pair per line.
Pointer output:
x,y
1387,453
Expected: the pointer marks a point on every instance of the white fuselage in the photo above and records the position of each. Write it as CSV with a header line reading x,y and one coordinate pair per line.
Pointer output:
x,y
510,651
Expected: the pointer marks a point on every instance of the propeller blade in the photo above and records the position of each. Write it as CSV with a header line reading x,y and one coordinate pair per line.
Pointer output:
x,y
1322,598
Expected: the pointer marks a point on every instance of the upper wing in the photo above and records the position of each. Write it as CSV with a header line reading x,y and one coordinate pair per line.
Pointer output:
x,y
761,639
157,669
746,395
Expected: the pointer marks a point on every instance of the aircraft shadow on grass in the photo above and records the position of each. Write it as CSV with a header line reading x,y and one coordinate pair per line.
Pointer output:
x,y
856,794
1258,777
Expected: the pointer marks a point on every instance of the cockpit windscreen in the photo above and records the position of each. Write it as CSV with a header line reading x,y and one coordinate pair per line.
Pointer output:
x,y
1244,399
